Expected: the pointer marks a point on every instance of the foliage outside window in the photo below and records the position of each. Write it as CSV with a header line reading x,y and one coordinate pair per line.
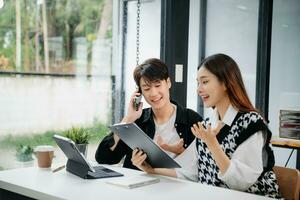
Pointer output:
x,y
44,36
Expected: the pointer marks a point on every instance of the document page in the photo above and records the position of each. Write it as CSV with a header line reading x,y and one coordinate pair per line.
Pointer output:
x,y
133,181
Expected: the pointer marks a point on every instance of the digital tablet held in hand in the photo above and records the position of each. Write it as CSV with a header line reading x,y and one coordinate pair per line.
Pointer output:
x,y
135,137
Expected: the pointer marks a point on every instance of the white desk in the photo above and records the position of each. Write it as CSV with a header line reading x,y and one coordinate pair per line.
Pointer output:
x,y
43,184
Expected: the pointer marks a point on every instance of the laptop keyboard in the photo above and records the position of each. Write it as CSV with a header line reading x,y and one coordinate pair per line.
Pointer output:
x,y
104,169
102,172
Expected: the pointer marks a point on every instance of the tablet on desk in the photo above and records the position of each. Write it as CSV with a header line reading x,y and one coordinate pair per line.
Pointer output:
x,y
77,163
134,137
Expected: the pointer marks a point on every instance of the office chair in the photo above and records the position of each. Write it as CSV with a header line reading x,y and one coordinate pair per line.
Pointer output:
x,y
289,182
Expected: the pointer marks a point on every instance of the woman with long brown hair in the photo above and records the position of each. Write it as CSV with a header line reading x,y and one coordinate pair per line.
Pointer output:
x,y
235,153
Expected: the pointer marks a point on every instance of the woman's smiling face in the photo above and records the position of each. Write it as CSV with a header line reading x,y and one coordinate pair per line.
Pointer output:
x,y
210,89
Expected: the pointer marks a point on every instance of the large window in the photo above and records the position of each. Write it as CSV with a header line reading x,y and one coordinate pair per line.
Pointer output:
x,y
285,70
55,71
231,28
62,37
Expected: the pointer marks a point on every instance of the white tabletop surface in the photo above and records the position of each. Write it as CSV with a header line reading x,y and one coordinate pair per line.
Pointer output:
x,y
44,184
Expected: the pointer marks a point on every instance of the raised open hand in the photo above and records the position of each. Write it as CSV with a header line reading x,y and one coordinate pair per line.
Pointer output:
x,y
207,135
176,147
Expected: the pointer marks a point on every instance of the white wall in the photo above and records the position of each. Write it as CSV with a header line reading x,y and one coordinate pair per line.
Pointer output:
x,y
193,54
38,104
149,40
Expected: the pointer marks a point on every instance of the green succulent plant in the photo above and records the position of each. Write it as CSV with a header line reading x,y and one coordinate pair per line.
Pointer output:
x,y
78,135
24,153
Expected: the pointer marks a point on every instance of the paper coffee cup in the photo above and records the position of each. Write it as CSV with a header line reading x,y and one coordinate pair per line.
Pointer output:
x,y
44,154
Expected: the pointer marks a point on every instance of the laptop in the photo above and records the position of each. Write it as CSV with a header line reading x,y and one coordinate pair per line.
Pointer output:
x,y
77,163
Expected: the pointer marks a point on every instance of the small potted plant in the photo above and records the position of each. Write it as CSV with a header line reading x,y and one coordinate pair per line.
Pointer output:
x,y
81,138
24,155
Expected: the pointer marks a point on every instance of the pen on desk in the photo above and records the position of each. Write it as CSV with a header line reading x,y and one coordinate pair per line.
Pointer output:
x,y
58,168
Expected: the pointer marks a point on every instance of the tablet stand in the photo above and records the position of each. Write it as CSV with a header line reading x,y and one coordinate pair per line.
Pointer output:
x,y
77,168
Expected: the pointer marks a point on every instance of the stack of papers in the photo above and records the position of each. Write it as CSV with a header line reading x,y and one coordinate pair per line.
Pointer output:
x,y
133,182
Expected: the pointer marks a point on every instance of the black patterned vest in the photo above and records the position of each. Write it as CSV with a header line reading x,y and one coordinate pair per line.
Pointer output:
x,y
243,126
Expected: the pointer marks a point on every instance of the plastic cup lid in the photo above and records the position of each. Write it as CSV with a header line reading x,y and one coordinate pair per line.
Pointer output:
x,y
44,148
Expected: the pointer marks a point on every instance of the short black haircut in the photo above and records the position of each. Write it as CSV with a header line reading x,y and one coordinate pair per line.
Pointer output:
x,y
151,70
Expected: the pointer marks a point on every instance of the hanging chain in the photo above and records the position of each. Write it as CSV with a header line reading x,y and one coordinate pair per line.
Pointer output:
x,y
138,32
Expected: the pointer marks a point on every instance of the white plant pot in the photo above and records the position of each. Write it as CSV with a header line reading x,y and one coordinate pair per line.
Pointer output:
x,y
20,164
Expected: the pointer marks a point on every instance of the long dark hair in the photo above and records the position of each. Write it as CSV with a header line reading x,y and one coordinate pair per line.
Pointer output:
x,y
228,72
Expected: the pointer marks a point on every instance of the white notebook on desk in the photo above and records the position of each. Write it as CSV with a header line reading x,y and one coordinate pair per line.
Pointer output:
x,y
133,181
